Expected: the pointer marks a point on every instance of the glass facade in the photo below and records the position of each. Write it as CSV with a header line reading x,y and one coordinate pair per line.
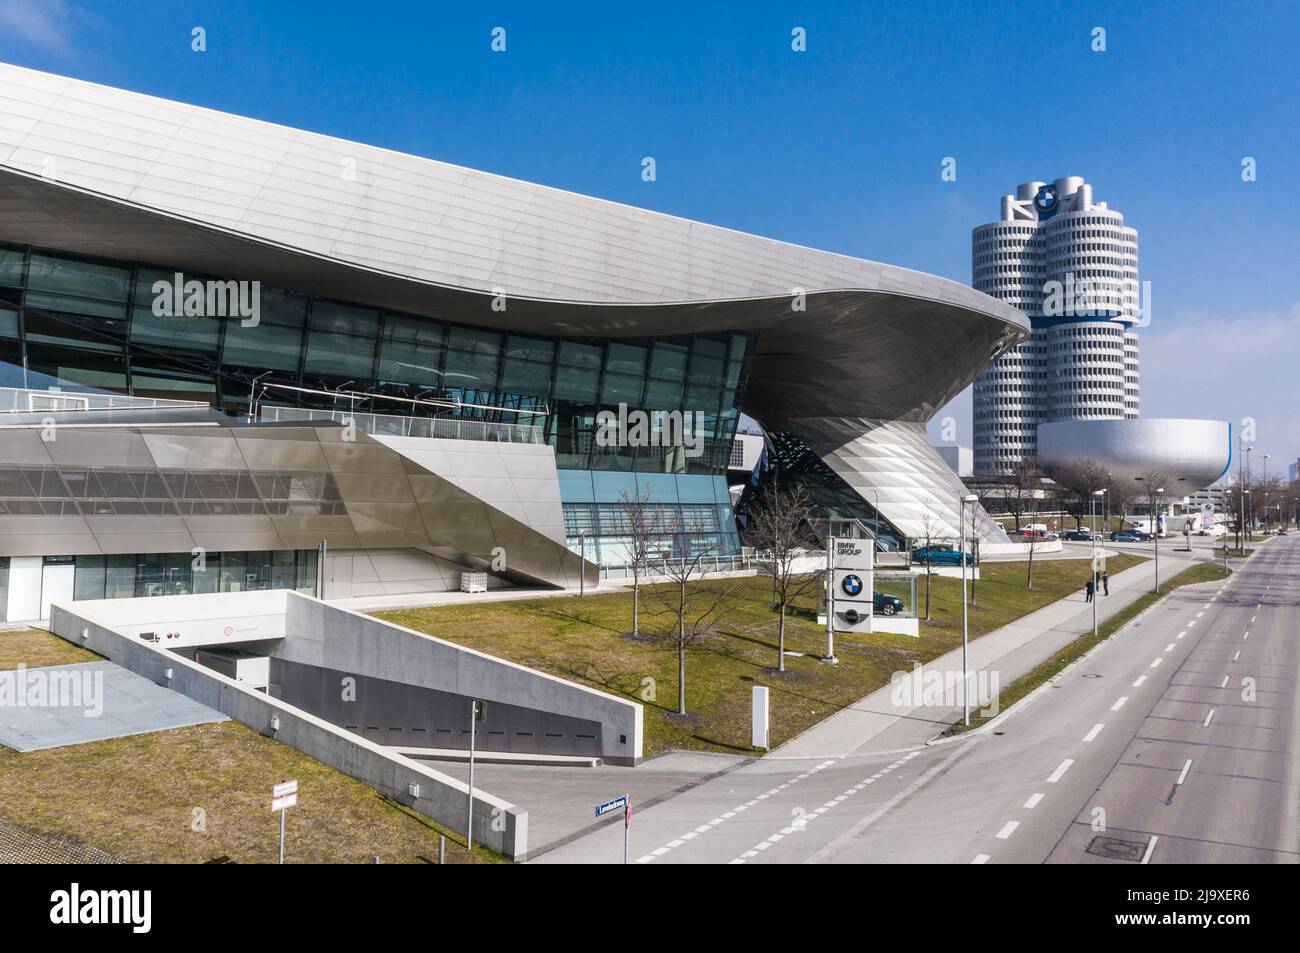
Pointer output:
x,y
83,323
181,574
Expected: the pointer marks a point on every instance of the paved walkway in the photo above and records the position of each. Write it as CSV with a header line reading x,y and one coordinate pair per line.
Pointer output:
x,y
876,724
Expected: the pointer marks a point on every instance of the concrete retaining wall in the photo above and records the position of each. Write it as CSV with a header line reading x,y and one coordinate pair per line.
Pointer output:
x,y
497,824
326,636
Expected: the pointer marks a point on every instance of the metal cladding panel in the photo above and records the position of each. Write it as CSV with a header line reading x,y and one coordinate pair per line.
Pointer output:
x,y
891,465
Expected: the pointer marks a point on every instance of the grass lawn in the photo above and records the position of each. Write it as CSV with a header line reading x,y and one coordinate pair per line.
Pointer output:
x,y
34,648
1018,689
587,640
141,798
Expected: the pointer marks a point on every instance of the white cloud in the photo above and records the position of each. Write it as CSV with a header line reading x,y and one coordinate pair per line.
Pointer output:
x,y
44,23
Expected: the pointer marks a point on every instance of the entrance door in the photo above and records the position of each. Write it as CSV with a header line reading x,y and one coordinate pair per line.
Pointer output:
x,y
56,584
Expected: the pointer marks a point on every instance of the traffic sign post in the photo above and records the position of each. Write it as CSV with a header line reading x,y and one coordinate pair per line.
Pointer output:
x,y
283,796
477,713
625,802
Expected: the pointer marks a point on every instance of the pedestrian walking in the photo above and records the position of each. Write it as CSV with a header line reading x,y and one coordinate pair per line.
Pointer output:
x,y
1090,589
1105,581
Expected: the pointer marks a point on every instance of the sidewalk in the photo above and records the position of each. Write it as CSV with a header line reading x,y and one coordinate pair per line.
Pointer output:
x,y
874,724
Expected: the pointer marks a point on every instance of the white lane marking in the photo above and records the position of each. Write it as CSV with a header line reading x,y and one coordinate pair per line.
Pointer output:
x,y
1007,829
1060,771
1140,680
1119,704
1156,663
1236,655
1201,613
1146,858
1225,681
1247,635
1096,730
1033,800
1252,620
1169,647
981,859
1182,775
1207,719
1181,634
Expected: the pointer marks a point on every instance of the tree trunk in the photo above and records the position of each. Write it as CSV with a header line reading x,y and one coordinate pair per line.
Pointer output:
x,y
636,605
927,593
780,640
1029,583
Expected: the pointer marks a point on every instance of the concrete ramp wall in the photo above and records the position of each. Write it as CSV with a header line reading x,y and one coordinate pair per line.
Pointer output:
x,y
327,637
498,824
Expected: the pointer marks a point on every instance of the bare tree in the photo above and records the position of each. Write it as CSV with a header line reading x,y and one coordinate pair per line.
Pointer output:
x,y
1154,484
1079,479
927,541
643,528
693,605
1031,508
779,525
1020,490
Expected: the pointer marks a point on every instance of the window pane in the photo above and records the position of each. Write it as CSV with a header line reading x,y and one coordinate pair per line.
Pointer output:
x,y
342,340
471,370
475,340
525,377
530,349
626,358
11,267
275,342
622,389
669,361
411,350
64,276
574,384
576,354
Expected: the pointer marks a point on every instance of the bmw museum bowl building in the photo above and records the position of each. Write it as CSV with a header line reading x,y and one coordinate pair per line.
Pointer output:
x,y
225,338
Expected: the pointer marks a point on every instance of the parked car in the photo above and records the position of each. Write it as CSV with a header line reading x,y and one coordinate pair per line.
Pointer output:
x,y
1124,536
886,605
941,556
1079,535
1284,532
1141,534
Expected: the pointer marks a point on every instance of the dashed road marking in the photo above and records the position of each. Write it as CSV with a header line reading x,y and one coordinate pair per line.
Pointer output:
x,y
1007,830
981,859
1119,704
1060,771
1156,663
1207,719
1226,678
1140,680
1146,858
1096,730
1182,775
1033,800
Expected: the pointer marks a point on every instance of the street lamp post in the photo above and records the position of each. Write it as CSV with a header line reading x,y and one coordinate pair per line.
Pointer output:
x,y
1156,535
1092,500
965,626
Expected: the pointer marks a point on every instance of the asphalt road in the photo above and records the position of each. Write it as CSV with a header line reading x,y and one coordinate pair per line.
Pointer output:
x,y
1151,750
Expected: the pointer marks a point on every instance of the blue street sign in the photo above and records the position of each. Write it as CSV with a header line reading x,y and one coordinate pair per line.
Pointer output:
x,y
614,805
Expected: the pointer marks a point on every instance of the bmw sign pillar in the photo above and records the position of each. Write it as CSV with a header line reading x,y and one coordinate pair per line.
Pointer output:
x,y
852,586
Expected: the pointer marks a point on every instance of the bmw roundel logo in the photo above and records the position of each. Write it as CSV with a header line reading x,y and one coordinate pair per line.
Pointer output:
x,y
852,585
1045,200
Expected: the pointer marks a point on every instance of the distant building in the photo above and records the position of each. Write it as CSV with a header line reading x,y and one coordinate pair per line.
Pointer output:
x,y
961,460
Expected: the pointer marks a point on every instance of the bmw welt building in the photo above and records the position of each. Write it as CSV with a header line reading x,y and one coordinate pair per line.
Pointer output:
x,y
225,342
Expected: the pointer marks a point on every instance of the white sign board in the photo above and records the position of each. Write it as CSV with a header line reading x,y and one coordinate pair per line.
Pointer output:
x,y
284,788
760,709
280,803
853,584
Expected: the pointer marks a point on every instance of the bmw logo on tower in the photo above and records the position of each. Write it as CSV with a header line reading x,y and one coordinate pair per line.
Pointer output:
x,y
852,585
1045,201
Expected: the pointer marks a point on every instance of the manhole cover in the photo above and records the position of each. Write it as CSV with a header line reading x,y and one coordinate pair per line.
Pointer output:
x,y
1091,675
1112,848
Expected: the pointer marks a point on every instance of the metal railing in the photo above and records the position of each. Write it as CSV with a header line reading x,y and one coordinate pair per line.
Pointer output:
x,y
443,428
23,400
707,564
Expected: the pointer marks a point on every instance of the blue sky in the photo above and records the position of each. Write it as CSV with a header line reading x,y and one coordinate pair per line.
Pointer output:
x,y
838,147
